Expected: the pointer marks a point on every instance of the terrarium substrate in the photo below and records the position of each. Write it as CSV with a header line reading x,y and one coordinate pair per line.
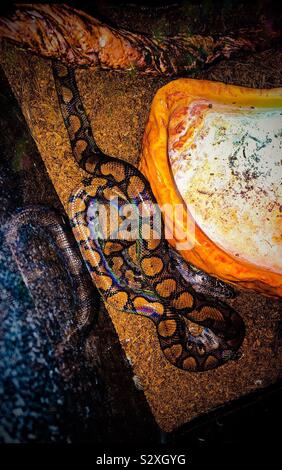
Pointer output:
x,y
118,105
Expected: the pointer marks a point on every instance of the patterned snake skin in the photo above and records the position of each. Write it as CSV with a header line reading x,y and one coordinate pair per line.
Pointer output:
x,y
48,260
136,274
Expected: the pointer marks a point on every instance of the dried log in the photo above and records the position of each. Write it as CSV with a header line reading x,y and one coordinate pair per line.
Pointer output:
x,y
72,36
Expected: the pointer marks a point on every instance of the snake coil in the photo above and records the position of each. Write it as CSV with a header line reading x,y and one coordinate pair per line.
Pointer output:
x,y
136,274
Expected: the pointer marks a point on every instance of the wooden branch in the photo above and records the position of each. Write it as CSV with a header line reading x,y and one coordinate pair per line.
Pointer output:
x,y
72,36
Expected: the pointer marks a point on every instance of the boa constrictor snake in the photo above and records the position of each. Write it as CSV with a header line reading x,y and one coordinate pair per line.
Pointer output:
x,y
196,332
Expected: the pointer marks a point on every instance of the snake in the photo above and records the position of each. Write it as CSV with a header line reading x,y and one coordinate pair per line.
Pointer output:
x,y
49,389
51,267
132,266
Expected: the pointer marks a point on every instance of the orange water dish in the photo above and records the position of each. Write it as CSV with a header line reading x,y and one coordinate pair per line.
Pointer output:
x,y
215,151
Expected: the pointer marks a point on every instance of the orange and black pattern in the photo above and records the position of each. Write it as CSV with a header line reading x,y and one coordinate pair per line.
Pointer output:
x,y
133,272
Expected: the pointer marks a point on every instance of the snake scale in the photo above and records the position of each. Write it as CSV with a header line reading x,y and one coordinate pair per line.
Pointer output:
x,y
53,272
136,274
